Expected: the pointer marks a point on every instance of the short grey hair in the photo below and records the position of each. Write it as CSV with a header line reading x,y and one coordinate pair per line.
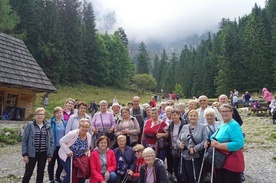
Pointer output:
x,y
103,102
210,110
148,151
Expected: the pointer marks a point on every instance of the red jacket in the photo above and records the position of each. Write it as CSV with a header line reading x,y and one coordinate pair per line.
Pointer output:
x,y
81,168
235,162
138,164
95,165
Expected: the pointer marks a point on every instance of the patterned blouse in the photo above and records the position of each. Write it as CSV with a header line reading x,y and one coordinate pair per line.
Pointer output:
x,y
79,147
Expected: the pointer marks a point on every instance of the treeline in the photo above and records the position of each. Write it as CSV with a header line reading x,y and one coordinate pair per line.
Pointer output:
x,y
241,55
62,37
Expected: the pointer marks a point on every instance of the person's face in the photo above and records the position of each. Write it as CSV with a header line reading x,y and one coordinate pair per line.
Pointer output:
x,y
84,128
148,111
181,108
136,102
39,117
210,118
192,106
82,109
138,153
70,104
154,115
103,107
129,106
193,117
168,113
149,159
116,109
223,100
175,117
203,102
121,143
59,114
226,114
125,114
103,144
163,106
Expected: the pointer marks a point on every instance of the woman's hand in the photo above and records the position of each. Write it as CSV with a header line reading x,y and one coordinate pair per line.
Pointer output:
x,y
206,144
215,143
110,130
95,131
49,159
70,154
126,131
130,172
181,145
106,176
160,135
192,150
26,159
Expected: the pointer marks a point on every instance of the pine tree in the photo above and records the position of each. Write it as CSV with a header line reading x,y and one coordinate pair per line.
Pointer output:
x,y
143,60
8,17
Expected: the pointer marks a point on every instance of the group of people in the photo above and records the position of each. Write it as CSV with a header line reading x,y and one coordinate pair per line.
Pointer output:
x,y
131,144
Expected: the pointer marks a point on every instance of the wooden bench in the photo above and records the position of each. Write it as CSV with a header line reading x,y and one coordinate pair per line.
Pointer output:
x,y
261,110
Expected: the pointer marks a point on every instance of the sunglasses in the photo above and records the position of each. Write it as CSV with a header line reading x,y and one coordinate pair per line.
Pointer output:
x,y
169,104
137,151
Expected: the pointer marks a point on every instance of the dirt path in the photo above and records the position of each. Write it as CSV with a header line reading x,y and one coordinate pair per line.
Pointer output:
x,y
259,151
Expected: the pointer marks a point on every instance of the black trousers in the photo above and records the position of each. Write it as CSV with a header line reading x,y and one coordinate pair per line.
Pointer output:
x,y
227,176
40,158
51,166
188,167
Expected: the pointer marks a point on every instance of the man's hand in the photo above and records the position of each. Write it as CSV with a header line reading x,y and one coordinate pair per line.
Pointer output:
x,y
26,159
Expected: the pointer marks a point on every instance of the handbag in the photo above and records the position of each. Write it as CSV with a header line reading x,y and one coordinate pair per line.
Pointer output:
x,y
104,132
162,143
220,158
175,152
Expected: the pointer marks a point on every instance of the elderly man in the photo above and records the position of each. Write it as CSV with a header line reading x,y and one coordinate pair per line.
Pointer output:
x,y
223,99
139,113
203,103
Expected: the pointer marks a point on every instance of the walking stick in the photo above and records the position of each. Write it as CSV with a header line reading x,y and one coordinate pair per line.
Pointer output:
x,y
71,170
213,162
202,164
193,163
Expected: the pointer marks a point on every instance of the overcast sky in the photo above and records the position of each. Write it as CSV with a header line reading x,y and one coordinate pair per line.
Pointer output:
x,y
145,20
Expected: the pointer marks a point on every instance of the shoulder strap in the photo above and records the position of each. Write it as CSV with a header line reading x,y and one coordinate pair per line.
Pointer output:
x,y
102,120
211,129
192,136
124,156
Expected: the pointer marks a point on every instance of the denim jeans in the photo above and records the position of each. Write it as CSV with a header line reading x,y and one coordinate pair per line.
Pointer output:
x,y
67,168
51,166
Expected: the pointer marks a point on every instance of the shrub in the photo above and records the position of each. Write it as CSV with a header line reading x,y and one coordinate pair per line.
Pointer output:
x,y
10,135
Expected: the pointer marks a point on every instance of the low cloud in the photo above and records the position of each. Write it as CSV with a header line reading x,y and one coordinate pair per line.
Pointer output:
x,y
169,20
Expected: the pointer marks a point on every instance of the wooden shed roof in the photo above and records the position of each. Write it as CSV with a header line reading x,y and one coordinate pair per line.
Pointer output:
x,y
19,69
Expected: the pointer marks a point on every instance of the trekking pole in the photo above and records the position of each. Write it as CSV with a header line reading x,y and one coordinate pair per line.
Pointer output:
x,y
202,164
71,170
213,162
181,163
193,163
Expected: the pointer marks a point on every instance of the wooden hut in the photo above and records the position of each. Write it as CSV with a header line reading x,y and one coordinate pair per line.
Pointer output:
x,y
21,78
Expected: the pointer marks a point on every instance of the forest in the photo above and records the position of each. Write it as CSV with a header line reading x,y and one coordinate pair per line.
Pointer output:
x,y
62,37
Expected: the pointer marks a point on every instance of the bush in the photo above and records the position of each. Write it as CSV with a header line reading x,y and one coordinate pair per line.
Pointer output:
x,y
10,135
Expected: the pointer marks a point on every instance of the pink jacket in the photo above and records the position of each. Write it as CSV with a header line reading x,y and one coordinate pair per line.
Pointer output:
x,y
267,95
68,140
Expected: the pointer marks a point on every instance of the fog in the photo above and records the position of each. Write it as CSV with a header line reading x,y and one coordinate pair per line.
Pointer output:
x,y
167,20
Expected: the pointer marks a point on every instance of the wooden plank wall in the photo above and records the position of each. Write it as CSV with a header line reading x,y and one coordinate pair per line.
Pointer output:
x,y
26,99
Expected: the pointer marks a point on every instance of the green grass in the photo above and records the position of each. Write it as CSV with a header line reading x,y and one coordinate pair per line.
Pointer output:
x,y
87,93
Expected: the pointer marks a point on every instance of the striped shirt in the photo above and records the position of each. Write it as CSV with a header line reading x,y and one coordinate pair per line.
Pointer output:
x,y
40,138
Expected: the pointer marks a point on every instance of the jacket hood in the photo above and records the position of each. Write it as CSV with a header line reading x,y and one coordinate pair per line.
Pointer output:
x,y
264,89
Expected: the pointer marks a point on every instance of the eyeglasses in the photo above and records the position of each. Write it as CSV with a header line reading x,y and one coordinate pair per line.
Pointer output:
x,y
137,151
169,104
202,100
225,111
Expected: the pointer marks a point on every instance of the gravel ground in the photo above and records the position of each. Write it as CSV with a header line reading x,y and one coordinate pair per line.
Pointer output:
x,y
259,151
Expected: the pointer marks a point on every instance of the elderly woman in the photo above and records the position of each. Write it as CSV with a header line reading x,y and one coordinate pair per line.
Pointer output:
x,y
103,123
174,151
229,137
138,150
191,140
125,159
116,111
192,105
74,120
37,146
128,126
181,108
68,109
162,109
103,163
154,129
167,115
212,125
154,171
76,145
58,127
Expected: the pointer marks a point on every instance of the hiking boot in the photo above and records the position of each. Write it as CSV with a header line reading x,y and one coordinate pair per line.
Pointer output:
x,y
58,181
52,181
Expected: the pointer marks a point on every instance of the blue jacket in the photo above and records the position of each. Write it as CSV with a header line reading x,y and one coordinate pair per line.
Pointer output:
x,y
129,155
54,129
28,141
